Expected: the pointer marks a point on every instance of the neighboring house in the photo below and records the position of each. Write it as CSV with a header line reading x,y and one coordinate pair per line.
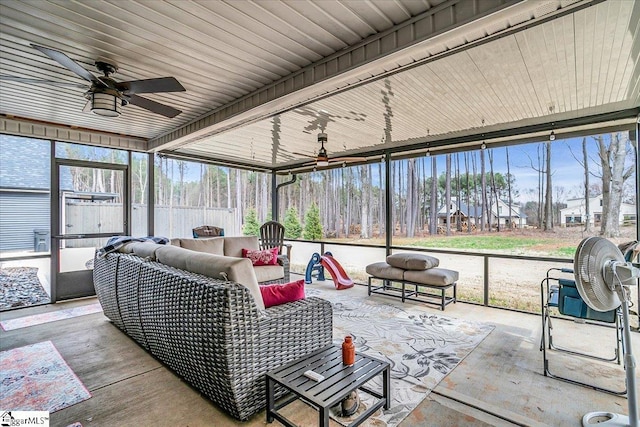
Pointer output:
x,y
25,175
575,213
472,214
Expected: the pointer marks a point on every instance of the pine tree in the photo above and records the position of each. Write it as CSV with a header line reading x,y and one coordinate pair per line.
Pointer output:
x,y
292,227
251,226
312,226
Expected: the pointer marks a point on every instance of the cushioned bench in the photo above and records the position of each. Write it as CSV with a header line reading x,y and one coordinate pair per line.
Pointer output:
x,y
419,277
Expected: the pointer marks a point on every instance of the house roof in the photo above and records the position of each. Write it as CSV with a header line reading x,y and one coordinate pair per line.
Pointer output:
x,y
263,78
476,211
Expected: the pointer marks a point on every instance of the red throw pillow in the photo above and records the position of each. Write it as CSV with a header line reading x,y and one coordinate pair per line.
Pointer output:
x,y
281,294
266,257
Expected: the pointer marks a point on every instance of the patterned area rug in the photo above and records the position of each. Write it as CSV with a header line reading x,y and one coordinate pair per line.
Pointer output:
x,y
36,378
20,286
421,347
37,319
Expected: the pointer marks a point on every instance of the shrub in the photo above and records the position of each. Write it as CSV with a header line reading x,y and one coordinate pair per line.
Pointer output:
x,y
292,226
312,225
251,226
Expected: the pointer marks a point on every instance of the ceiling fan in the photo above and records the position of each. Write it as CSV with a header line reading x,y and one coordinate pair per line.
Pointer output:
x,y
105,96
322,158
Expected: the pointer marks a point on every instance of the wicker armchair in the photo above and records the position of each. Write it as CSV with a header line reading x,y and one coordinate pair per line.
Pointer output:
x,y
209,331
272,236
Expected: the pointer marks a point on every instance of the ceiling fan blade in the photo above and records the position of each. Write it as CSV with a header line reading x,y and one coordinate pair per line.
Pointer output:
x,y
153,106
41,81
302,154
66,62
348,159
161,84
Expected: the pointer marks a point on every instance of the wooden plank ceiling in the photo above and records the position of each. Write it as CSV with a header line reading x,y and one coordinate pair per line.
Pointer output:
x,y
524,63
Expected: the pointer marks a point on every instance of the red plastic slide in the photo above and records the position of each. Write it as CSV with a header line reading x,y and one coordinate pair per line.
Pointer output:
x,y
340,278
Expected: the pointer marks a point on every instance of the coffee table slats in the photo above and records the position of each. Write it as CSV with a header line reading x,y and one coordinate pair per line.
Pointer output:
x,y
339,381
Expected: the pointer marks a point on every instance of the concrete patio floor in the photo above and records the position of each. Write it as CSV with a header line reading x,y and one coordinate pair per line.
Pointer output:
x,y
500,383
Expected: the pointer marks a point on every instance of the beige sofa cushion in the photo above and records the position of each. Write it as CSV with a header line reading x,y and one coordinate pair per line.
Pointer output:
x,y
145,249
174,256
408,261
385,271
213,245
237,270
268,273
233,245
432,276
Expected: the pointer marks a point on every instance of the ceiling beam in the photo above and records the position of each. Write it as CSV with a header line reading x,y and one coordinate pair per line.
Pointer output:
x,y
56,132
395,47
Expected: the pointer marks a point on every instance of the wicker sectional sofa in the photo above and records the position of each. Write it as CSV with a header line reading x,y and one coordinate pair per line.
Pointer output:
x,y
232,247
211,332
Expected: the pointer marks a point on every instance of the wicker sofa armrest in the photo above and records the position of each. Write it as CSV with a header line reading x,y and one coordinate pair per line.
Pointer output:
x,y
285,332
283,260
291,330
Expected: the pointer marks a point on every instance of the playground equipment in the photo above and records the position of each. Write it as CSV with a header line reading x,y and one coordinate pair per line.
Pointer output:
x,y
320,262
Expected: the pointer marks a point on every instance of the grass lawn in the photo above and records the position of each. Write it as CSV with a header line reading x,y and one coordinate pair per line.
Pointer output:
x,y
507,243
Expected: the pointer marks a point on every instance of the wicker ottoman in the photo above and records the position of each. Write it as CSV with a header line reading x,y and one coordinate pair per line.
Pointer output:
x,y
428,285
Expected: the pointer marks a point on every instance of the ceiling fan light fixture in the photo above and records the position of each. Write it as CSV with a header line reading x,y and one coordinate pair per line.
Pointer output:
x,y
105,104
322,161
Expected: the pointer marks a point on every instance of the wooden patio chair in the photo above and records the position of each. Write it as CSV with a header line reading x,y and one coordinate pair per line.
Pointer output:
x,y
272,236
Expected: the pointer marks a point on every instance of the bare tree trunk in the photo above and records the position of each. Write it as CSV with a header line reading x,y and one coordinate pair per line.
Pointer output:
x,y
239,210
494,191
468,191
540,187
401,205
410,198
587,209
617,150
347,224
370,198
458,194
509,189
364,204
381,205
433,220
475,190
486,213
229,205
548,202
447,193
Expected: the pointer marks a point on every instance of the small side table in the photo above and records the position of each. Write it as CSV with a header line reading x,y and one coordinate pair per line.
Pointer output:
x,y
339,381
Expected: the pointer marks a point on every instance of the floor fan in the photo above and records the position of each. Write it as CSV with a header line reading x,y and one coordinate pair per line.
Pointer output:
x,y
603,279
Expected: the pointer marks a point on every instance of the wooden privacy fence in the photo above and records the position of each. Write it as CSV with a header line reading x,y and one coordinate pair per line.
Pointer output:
x,y
170,221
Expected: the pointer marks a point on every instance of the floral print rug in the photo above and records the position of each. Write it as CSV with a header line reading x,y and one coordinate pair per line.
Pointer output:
x,y
36,378
421,347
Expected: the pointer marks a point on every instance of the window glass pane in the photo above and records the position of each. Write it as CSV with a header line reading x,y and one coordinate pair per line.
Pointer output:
x,y
535,200
25,173
346,204
190,195
139,204
66,150
91,200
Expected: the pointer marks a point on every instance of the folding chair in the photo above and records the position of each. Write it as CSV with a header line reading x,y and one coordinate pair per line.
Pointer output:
x,y
564,296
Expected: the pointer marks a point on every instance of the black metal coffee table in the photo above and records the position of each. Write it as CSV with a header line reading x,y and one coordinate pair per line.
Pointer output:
x,y
339,381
